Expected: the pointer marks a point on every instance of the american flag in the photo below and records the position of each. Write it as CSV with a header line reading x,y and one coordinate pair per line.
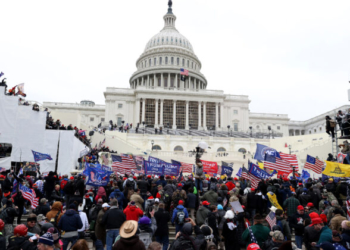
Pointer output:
x,y
292,159
271,219
186,167
252,237
30,195
253,179
276,163
184,72
348,208
314,164
123,164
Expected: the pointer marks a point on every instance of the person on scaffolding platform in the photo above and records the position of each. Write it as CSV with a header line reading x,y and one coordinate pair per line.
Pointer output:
x,y
330,125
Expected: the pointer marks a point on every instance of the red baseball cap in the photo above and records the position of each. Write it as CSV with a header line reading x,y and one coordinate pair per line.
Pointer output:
x,y
71,178
300,184
243,207
310,204
205,203
316,221
300,207
323,218
314,215
253,246
252,189
181,202
179,185
236,179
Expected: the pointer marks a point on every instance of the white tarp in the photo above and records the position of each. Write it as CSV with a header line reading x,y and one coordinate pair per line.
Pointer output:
x,y
24,128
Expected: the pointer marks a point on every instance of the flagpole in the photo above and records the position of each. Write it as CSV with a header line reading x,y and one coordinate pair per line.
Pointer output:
x,y
58,149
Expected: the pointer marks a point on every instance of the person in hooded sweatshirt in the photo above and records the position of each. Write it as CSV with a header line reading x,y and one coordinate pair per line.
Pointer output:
x,y
202,213
175,219
184,237
162,233
229,231
128,238
132,212
147,226
117,194
70,223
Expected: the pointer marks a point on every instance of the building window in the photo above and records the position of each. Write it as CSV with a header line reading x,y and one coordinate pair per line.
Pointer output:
x,y
178,149
166,60
157,147
235,112
278,127
257,127
221,149
315,130
188,63
192,65
160,61
120,105
172,61
235,127
178,61
242,150
183,62
102,119
150,62
155,62
119,121
91,119
320,129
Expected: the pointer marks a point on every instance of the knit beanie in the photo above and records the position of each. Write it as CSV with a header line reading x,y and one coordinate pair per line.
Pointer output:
x,y
46,239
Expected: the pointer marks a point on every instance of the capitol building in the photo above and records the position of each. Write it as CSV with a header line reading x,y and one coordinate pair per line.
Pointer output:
x,y
158,98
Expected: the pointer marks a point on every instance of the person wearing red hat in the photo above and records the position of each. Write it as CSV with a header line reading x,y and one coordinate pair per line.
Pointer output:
x,y
310,234
297,222
230,185
310,208
202,213
179,215
325,232
19,239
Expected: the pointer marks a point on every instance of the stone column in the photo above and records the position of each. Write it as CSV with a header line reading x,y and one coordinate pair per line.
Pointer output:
x,y
216,116
156,115
189,82
222,116
148,83
199,115
161,80
155,83
137,113
175,81
161,112
138,81
205,115
143,109
142,81
174,114
169,81
187,120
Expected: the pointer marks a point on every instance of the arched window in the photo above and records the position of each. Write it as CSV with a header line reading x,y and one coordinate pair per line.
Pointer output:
x,y
257,127
162,40
172,61
176,40
242,150
166,60
188,63
178,149
221,149
157,147
160,61
178,61
155,61
172,40
150,62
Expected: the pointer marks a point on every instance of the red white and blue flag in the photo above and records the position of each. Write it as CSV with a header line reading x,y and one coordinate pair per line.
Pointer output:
x,y
123,164
314,164
272,162
271,219
292,159
184,72
30,195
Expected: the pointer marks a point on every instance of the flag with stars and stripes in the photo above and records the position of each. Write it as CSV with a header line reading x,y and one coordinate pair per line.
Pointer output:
x,y
271,219
292,159
252,237
253,179
30,195
314,164
276,163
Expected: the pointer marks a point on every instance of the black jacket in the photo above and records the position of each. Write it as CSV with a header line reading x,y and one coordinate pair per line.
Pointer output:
x,y
297,222
80,186
56,195
7,185
2,242
42,209
310,235
113,218
69,188
21,242
213,223
143,186
191,200
162,217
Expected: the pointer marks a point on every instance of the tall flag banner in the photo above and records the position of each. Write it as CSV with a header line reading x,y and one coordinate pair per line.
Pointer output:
x,y
239,173
153,168
153,159
226,171
97,177
283,175
252,237
258,172
292,159
271,219
276,163
20,90
139,164
262,150
314,164
185,167
253,179
30,195
336,169
123,164
40,157
81,132
210,167
305,175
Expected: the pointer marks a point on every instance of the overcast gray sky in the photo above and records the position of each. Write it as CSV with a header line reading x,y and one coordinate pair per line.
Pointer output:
x,y
290,57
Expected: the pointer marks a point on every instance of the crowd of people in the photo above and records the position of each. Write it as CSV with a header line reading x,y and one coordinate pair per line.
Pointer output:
x,y
136,212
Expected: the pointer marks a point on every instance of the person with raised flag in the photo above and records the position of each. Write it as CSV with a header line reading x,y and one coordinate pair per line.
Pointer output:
x,y
297,222
258,233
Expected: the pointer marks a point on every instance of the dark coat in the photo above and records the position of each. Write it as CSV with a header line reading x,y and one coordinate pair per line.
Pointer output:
x,y
70,221
310,235
191,200
297,222
42,209
162,217
7,185
113,218
21,242
56,195
132,243
143,186
2,242
230,237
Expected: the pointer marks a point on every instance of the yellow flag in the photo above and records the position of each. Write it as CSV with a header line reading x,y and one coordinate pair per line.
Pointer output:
x,y
273,200
337,169
208,176
223,176
261,165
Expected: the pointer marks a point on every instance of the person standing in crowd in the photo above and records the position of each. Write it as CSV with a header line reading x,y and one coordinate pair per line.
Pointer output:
x,y
191,203
43,207
128,238
113,220
202,213
136,197
291,204
9,213
2,237
325,232
162,233
260,232
100,229
133,212
179,217
229,232
32,224
335,223
297,222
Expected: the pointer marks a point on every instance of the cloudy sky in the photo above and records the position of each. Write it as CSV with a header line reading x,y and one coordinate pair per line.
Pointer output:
x,y
289,57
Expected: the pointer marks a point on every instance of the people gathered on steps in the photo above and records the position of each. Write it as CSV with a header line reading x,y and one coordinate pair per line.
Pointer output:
x,y
138,212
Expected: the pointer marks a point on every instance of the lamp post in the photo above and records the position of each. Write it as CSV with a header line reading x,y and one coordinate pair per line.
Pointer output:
x,y
189,129
251,131
269,128
152,144
228,130
143,127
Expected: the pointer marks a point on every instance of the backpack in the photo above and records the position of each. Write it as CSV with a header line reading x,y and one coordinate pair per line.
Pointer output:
x,y
332,123
130,184
54,220
166,198
146,238
4,215
184,244
63,184
279,223
180,217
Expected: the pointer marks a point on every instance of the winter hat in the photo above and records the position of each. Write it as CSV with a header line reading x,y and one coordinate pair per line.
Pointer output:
x,y
46,239
220,207
150,198
187,229
229,214
207,232
314,215
277,235
181,202
205,203
100,201
324,218
326,246
71,178
145,220
156,200
253,246
114,202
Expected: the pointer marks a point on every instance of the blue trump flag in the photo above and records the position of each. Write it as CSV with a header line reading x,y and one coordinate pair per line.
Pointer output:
x,y
40,157
170,168
305,175
153,168
239,173
226,170
258,172
153,159
96,176
261,150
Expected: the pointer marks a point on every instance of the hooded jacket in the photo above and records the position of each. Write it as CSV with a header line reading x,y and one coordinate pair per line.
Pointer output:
x,y
185,235
113,218
132,243
162,218
201,215
70,221
177,209
118,195
133,213
56,207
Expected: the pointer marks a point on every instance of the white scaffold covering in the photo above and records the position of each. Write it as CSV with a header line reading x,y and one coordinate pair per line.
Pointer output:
x,y
24,128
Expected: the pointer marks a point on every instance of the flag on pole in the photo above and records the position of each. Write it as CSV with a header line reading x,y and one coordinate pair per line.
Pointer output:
x,y
30,195
314,164
184,72
348,208
239,173
1,74
271,219
20,90
292,159
123,164
40,157
253,179
252,237
276,163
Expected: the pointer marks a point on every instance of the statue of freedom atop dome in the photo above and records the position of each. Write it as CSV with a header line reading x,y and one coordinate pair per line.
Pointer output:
x,y
170,3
